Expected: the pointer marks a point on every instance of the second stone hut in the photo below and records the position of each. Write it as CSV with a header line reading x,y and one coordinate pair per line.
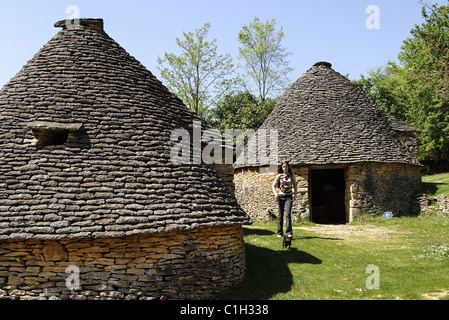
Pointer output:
x,y
349,155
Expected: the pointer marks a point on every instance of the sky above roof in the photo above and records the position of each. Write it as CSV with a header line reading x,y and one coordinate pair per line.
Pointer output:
x,y
354,35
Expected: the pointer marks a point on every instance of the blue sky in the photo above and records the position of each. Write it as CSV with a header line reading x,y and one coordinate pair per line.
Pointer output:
x,y
319,30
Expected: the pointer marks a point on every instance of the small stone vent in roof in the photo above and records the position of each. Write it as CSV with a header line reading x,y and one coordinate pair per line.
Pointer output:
x,y
52,134
73,23
323,63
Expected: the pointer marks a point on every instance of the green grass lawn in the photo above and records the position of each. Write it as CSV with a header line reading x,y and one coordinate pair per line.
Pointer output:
x,y
436,184
411,255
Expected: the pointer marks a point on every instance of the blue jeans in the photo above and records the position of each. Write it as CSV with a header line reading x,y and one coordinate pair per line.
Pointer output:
x,y
285,206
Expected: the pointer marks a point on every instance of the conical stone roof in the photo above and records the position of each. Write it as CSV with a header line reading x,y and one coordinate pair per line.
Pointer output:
x,y
113,175
323,118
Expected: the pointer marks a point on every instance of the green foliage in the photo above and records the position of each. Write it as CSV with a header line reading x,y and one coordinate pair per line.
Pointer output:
x,y
426,54
199,76
241,111
203,79
425,61
386,87
265,60
416,90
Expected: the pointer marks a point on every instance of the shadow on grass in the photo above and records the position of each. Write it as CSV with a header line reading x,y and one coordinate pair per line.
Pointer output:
x,y
267,272
431,188
265,232
315,237
259,232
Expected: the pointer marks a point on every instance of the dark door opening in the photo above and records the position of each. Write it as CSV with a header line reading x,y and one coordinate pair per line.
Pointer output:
x,y
328,196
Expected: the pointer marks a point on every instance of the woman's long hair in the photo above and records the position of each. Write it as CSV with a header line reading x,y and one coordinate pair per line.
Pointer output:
x,y
280,170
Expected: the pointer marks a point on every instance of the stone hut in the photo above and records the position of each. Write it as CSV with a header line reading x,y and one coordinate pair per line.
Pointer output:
x,y
349,156
91,204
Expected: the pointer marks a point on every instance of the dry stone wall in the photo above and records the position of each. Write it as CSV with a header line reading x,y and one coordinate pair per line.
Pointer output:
x,y
443,203
254,194
195,264
370,187
430,205
388,187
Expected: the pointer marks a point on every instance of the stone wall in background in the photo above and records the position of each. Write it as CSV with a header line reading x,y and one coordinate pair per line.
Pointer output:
x,y
370,187
379,187
438,204
443,203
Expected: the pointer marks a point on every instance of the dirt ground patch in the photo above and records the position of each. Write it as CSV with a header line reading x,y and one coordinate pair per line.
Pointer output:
x,y
353,233
436,295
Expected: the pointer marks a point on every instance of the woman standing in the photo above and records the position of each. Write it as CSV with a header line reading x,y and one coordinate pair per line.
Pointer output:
x,y
286,182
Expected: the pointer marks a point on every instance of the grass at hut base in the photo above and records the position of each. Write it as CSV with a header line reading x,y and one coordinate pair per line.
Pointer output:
x,y
409,256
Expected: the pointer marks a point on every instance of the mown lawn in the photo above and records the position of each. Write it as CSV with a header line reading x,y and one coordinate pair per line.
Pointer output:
x,y
436,184
410,254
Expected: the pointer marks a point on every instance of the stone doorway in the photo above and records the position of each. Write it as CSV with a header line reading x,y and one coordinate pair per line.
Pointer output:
x,y
327,195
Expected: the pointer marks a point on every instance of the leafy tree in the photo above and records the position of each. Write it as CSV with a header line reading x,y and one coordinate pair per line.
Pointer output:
x,y
425,65
265,60
386,86
416,89
241,111
426,54
199,75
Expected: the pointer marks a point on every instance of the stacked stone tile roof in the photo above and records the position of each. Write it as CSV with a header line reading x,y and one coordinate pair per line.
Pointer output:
x,y
113,176
323,118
